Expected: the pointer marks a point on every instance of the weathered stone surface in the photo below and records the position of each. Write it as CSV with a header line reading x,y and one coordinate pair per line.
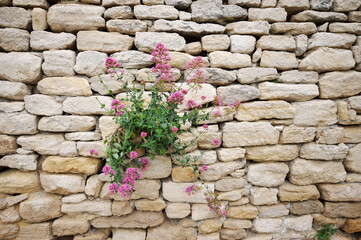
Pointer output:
x,y
352,134
246,3
179,4
253,28
303,223
183,174
206,11
316,151
107,126
243,212
70,225
29,71
277,42
233,234
42,105
301,44
171,231
11,107
86,105
345,28
42,143
293,6
342,210
130,27
67,123
232,93
209,226
133,59
315,113
40,231
352,162
267,174
111,3
30,4
148,189
319,17
93,186
83,136
39,19
175,192
7,145
273,211
321,5
330,135
272,153
263,196
306,207
40,206
229,184
177,210
219,77
317,172
291,28
136,234
295,76
121,208
242,44
249,134
13,90
328,59
101,208
254,111
193,48
75,17
58,63
218,170
345,6
18,123
352,225
69,86
231,223
349,192
178,59
74,198
87,165
156,12
15,17
10,215
211,43
254,75
292,193
230,154
90,63
278,60
146,41
222,59
21,162
8,231
111,83
14,40
267,225
14,181
200,212
340,84
64,184
159,167
232,13
121,12
188,28
289,92
267,14
42,40
137,219
335,40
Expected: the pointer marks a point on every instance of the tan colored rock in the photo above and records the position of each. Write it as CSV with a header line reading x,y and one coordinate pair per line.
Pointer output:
x,y
242,44
90,63
232,196
121,208
18,123
178,59
267,225
13,90
293,193
11,107
353,177
70,225
67,123
232,223
40,231
267,14
340,192
211,43
180,174
277,42
345,28
246,3
7,145
193,48
87,165
69,86
58,63
209,226
217,171
175,192
111,3
345,6
330,135
14,181
205,141
352,225
323,152
306,207
230,154
86,105
229,94
272,153
229,184
263,196
42,105
243,212
352,134
156,12
136,234
12,200
317,172
254,75
159,167
355,103
21,162
42,143
171,231
315,113
74,198
303,223
137,219
272,211
177,210
267,174
292,28
111,82
336,40
40,207
268,3
352,162
8,231
75,17
43,40
39,19
321,220
83,136
121,12
150,205
130,27
148,189
209,236
133,59
289,92
301,44
252,28
279,60
15,17
249,134
94,234
233,234
294,5
222,59
100,208
14,40
146,41
63,184
339,84
201,212
10,215
319,17
342,210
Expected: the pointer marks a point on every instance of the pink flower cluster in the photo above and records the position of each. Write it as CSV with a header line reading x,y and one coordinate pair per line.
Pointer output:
x,y
93,152
216,142
162,68
215,204
192,189
177,98
174,130
107,169
111,65
133,155
143,134
191,104
204,168
144,163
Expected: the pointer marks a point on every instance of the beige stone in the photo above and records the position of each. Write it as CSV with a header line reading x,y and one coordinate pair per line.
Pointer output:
x,y
353,177
292,28
111,3
339,84
40,231
355,103
277,42
345,6
10,107
121,12
121,208
294,5
94,234
209,236
230,154
42,105
21,162
232,223
137,219
7,145
180,174
340,192
321,220
159,167
136,234
39,19
306,207
12,200
86,105
201,212
205,141
246,3
156,12
193,48
320,17
267,174
10,215
67,123
209,226
171,231
178,59
42,143
352,134
150,205
69,86
254,75
90,63
345,28
352,225
13,90
317,172
58,63
222,59
229,184
268,3
330,135
352,162
232,196
315,113
133,59
70,225
335,40
342,209
87,165
14,181
43,40
100,208
18,123
263,196
64,184
252,28
8,231
301,44
74,198
146,41
14,40
242,44
267,225
40,207
303,223
130,27
111,83
323,152
267,14
233,234
289,192
15,17
217,171
83,136
211,43
272,153
279,60
175,192
177,210
273,211
31,4
208,157
229,94
289,92
243,212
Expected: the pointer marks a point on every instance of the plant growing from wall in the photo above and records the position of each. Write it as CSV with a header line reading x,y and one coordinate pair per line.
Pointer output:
x,y
154,128
325,233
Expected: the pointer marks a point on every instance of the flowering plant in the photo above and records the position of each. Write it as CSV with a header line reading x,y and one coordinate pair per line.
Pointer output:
x,y
155,127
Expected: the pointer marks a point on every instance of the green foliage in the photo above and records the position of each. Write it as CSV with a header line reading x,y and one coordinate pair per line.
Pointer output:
x,y
325,233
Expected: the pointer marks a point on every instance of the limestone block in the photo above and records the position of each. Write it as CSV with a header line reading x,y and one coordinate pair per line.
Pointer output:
x,y
256,28
18,123
193,48
93,186
257,110
29,71
74,198
232,223
267,174
232,93
42,40
301,44
345,6
335,40
211,43
268,3
8,231
315,113
70,225
222,59
121,12
267,225
352,162
306,207
42,143
40,207
13,90
243,212
130,27
146,41
63,184
230,154
219,77
39,19
150,205
14,40
10,107
100,208
249,134
154,2
272,153
121,208
137,219
206,11
159,167
330,135
40,231
246,3
292,28
319,17
317,172
349,192
75,17
293,6
229,184
352,225
289,192
183,174
86,165
273,211
254,75
10,215
178,60
267,14
14,181
111,83
179,4
263,196
7,145
340,84
111,3
218,170
175,192
201,212
342,210
242,44
177,210
232,13
21,162
90,63
316,151
352,134
209,226
303,223
295,76
277,42
279,60
12,200
58,63
67,123
136,234
345,28
68,86
15,17
42,105
156,12
233,234
133,59
83,136
321,5
86,105
172,231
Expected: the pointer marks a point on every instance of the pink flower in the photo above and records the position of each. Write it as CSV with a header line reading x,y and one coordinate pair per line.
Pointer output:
x,y
125,190
143,134
177,98
144,163
216,142
116,104
191,103
184,91
205,168
133,155
119,113
174,130
132,174
191,189
113,188
203,98
107,169
217,113
196,62
92,151
205,126
111,63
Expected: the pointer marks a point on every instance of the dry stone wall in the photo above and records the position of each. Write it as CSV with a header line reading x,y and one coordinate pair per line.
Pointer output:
x,y
290,156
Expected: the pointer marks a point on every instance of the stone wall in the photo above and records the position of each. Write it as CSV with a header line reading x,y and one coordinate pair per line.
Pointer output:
x,y
290,157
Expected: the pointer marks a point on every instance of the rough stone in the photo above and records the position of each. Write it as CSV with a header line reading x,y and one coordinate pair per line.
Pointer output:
x,y
342,210
301,44
58,63
317,172
273,211
177,210
318,17
243,212
8,231
39,19
232,93
14,40
75,17
179,4
10,215
340,84
148,189
279,60
316,151
220,77
29,71
267,174
42,105
303,223
232,223
256,28
100,208
42,143
171,231
175,192
267,225
242,44
345,28
289,192
230,154
334,40
183,174
83,136
130,27
206,11
352,162
209,226
69,86
291,28
315,113
352,225
293,6
111,83
93,186
135,234
40,231
67,123
295,76
229,184
345,6
201,212
111,3
64,184
267,14
87,165
349,192
156,12
70,225
211,43
121,12
11,107
21,162
218,170
90,63
222,59
257,110
330,135
306,207
246,3
107,126
68,149
322,5
193,48
121,208
233,234
15,17
277,42
42,40
133,59
18,123
263,196
146,41
7,145
232,13
352,134
150,205
13,90
272,153
86,105
74,198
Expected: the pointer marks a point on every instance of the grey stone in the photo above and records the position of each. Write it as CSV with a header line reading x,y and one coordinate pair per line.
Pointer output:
x,y
206,11
14,40
294,6
38,104
13,90
345,28
10,107
275,42
315,113
111,83
122,12
18,123
146,41
293,28
321,5
42,40
133,59
130,27
218,77
340,84
58,63
267,14
318,17
295,76
345,6
156,12
39,19
246,3
301,44
279,60
111,3
86,105
335,40
15,17
252,28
